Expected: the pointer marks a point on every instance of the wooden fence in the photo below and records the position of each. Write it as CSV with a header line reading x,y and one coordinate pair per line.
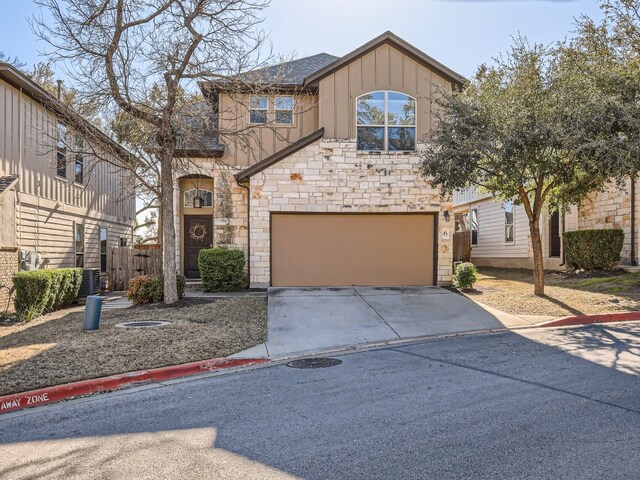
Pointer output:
x,y
127,262
462,246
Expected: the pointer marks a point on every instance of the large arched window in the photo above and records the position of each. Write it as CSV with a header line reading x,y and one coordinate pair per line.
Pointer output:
x,y
198,198
386,121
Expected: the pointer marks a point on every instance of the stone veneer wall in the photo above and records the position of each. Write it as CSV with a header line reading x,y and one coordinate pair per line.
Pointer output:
x,y
8,266
611,209
331,176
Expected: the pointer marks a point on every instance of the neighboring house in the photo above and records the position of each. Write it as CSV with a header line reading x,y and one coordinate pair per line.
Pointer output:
x,y
499,231
56,200
322,186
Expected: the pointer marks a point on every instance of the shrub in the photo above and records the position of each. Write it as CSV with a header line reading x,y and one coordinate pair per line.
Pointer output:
x,y
150,289
593,249
465,275
221,269
33,289
40,291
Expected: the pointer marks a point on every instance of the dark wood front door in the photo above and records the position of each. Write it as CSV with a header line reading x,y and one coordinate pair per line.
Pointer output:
x,y
554,235
197,235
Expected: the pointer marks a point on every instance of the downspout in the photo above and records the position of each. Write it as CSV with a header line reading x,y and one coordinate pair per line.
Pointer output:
x,y
564,258
248,189
633,219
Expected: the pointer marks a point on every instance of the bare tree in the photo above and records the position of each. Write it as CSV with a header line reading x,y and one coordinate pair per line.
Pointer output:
x,y
137,58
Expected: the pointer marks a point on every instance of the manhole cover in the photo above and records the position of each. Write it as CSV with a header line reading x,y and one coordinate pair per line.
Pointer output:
x,y
142,324
314,363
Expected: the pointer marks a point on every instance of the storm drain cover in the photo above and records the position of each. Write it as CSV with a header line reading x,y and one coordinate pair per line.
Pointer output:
x,y
142,324
314,363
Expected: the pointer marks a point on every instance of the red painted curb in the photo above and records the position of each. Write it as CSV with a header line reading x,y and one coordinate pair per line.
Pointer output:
x,y
43,396
589,319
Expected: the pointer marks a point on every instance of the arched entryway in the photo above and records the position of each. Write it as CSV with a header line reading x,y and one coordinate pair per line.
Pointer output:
x,y
196,220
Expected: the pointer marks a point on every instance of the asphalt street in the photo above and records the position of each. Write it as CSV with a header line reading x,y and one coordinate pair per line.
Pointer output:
x,y
536,404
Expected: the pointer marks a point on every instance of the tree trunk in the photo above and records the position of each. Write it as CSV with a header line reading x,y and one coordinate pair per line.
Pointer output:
x,y
168,234
538,261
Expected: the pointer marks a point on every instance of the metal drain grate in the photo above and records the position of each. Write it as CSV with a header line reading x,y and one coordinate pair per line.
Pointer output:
x,y
314,363
144,324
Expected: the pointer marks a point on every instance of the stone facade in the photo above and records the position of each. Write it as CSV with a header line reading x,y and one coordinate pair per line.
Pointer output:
x,y
331,176
8,266
229,212
611,209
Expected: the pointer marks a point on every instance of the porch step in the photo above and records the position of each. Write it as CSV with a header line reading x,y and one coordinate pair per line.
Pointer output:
x,y
194,284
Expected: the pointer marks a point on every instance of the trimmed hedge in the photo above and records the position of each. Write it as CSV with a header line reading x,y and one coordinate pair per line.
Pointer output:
x,y
150,289
465,276
221,269
40,291
593,249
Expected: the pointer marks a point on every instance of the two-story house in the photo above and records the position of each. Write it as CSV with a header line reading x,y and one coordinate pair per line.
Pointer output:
x,y
58,201
314,172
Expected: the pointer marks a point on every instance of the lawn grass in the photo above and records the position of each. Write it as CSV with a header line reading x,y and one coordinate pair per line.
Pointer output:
x,y
53,349
511,290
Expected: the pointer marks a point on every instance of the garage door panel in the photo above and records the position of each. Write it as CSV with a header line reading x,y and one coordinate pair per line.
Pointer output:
x,y
352,249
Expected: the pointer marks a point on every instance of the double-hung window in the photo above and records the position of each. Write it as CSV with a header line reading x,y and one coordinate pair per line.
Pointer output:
x,y
283,109
61,151
79,162
258,107
104,235
473,224
79,244
508,222
386,121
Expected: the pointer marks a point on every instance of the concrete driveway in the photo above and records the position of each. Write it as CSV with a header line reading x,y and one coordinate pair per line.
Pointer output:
x,y
316,319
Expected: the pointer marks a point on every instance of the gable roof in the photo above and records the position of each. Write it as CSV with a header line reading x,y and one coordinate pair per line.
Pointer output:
x,y
23,82
281,154
397,42
293,72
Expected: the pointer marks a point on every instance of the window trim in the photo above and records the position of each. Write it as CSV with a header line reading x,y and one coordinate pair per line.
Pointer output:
x,y
61,148
79,253
104,254
78,160
265,110
276,110
386,125
477,229
512,224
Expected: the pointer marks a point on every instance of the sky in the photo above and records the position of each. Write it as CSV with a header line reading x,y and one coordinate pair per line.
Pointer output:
x,y
462,34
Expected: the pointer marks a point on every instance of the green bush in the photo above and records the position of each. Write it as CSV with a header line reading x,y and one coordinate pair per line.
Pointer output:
x,y
40,291
593,249
221,269
465,275
150,289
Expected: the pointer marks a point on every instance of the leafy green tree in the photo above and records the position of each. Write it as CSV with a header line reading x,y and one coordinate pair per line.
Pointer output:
x,y
531,129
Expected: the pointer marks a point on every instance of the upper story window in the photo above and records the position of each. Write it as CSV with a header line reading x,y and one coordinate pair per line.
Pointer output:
x,y
61,151
258,107
386,121
283,107
198,198
79,162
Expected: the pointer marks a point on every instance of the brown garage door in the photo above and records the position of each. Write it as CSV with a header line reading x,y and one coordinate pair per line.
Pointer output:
x,y
352,249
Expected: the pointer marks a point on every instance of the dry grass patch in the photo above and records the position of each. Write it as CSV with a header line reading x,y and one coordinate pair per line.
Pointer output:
x,y
52,349
511,290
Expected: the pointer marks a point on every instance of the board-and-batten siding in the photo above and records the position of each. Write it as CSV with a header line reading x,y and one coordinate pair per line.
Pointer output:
x,y
491,232
246,144
48,205
384,68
